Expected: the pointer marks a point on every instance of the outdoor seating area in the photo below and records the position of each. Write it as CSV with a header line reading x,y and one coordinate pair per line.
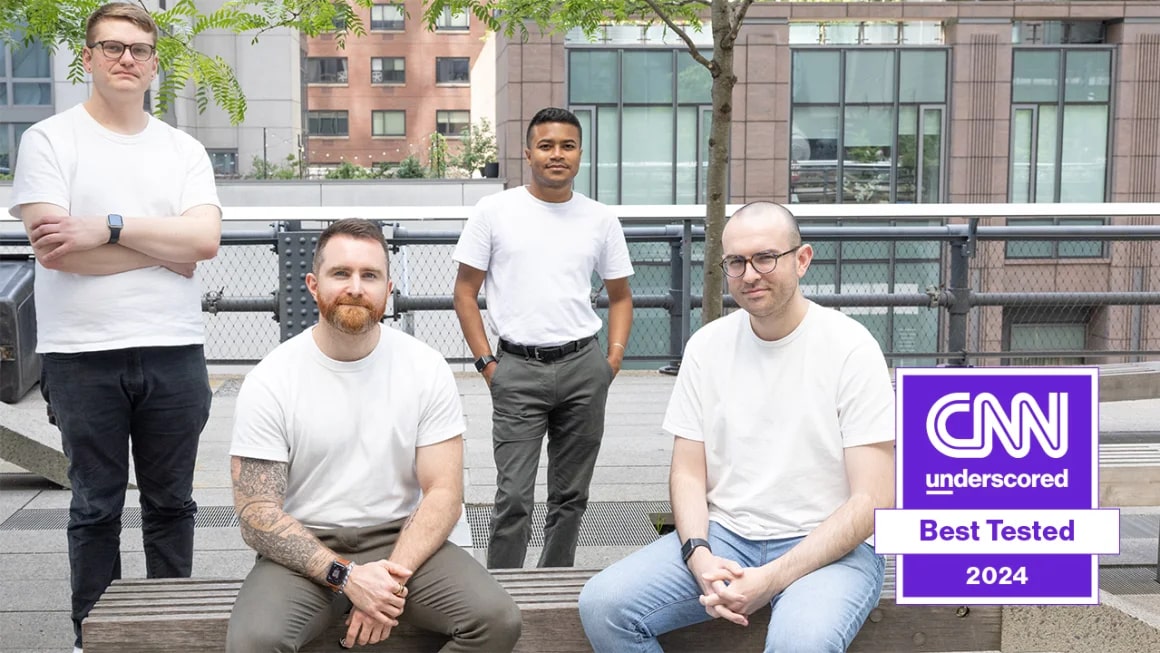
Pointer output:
x,y
191,617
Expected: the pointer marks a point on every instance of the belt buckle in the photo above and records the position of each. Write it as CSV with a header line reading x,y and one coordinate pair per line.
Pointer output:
x,y
537,353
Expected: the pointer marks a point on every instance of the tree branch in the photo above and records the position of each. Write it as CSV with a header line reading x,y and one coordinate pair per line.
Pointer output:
x,y
693,50
738,19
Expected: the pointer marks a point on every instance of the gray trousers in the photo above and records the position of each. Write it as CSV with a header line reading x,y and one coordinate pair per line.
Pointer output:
x,y
280,610
565,399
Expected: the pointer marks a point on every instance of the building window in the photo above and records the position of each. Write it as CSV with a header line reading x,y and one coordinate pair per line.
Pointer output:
x,y
25,75
326,70
452,70
388,70
451,123
1060,119
327,123
388,123
866,33
624,98
867,126
225,162
387,18
1051,335
456,22
1058,32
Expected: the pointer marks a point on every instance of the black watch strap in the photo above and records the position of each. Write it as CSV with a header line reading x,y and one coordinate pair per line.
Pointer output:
x,y
115,222
483,361
691,545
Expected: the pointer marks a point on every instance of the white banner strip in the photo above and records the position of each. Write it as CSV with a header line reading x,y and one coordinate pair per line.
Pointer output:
x,y
997,531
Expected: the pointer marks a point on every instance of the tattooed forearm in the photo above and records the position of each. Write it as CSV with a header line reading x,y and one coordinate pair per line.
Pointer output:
x,y
259,492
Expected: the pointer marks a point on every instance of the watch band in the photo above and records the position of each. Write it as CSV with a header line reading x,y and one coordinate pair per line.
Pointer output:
x,y
338,574
115,223
691,545
482,362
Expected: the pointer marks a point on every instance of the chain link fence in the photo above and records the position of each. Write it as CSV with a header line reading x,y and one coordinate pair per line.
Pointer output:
x,y
986,292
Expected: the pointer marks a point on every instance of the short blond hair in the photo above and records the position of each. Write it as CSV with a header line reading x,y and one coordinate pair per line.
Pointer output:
x,y
120,11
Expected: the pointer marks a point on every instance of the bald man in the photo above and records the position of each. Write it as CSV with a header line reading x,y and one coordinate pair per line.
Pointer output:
x,y
783,425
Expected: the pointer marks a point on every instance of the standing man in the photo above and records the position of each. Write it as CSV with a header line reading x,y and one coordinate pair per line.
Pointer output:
x,y
784,446
119,208
347,461
536,248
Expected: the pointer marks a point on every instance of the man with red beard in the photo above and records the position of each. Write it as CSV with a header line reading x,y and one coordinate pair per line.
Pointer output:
x,y
347,463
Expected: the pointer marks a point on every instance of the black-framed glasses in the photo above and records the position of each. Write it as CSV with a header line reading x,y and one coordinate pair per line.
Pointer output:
x,y
762,262
114,49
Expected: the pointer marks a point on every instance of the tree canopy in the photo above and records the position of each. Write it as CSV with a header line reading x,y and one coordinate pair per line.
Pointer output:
x,y
60,26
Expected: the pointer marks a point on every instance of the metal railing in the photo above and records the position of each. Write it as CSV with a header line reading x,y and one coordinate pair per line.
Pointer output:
x,y
935,283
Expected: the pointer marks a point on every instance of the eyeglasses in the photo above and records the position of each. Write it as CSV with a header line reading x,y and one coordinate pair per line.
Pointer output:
x,y
114,49
762,262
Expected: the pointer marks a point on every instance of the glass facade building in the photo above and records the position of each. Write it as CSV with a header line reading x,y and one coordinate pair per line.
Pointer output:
x,y
908,102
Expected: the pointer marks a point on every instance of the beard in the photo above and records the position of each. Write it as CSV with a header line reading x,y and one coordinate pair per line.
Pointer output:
x,y
350,315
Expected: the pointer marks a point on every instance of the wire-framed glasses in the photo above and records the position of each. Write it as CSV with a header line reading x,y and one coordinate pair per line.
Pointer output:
x,y
763,262
114,49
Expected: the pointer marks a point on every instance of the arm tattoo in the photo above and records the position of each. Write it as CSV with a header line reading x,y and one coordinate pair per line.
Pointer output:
x,y
259,492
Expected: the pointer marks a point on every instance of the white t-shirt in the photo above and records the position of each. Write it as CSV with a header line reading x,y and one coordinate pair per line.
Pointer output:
x,y
776,416
539,257
70,160
348,430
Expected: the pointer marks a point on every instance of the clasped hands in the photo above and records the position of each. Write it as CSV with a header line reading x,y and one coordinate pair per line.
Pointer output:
x,y
730,591
55,236
378,592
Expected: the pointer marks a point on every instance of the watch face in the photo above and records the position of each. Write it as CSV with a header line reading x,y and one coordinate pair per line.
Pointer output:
x,y
116,220
336,574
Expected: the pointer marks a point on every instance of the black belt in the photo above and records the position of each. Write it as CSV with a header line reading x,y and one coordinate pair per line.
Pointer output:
x,y
545,354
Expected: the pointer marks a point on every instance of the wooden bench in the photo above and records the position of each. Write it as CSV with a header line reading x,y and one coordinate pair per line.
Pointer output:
x,y
190,616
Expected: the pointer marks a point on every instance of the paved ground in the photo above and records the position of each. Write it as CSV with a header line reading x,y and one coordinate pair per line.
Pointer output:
x,y
633,467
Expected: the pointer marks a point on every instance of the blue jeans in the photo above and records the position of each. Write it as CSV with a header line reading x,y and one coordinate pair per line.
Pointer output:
x,y
157,400
651,592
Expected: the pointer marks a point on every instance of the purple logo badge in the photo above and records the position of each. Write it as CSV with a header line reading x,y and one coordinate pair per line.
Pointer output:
x,y
997,487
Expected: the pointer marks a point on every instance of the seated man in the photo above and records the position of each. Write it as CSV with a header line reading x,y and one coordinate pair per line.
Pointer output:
x,y
783,421
347,463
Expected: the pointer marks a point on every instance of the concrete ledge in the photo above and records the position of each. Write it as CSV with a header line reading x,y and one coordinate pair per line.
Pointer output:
x,y
29,441
1129,381
1080,629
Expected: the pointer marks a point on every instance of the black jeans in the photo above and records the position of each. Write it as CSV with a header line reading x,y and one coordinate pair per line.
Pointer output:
x,y
156,399
565,399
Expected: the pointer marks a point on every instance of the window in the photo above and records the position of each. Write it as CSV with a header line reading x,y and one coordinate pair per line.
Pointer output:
x,y
388,70
327,123
623,99
447,21
225,162
388,123
451,123
452,70
386,18
326,70
1059,136
867,126
25,75
1058,334
1056,32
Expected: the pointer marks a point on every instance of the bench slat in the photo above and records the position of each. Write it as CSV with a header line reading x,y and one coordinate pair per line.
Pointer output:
x,y
191,616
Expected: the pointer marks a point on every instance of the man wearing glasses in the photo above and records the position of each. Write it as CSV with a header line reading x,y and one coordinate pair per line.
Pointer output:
x,y
783,421
119,208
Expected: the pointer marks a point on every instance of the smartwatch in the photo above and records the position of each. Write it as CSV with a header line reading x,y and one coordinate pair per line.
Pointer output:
x,y
338,574
691,545
115,222
482,362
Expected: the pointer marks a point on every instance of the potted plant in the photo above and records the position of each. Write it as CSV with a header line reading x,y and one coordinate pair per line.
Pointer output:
x,y
478,149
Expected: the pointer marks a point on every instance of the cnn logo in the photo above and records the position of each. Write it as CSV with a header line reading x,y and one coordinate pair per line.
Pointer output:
x,y
1014,426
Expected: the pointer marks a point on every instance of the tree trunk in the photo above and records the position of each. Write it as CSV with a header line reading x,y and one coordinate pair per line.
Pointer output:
x,y
716,183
